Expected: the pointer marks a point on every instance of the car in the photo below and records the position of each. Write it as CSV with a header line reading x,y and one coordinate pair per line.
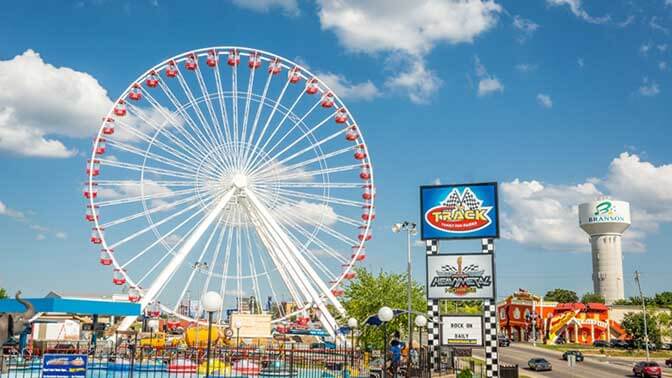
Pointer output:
x,y
647,369
668,362
616,343
600,344
539,364
503,341
666,346
577,355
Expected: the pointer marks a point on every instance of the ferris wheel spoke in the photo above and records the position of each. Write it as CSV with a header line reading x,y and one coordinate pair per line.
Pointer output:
x,y
155,209
227,257
306,252
313,185
262,102
253,268
234,107
142,168
162,238
268,120
151,156
246,112
222,104
211,110
269,280
276,129
116,183
319,198
326,171
160,195
213,262
157,224
192,149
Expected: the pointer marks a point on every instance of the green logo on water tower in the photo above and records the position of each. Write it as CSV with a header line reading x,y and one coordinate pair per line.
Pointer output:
x,y
604,207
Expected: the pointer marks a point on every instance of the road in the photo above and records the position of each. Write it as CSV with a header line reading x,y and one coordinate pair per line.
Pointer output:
x,y
590,368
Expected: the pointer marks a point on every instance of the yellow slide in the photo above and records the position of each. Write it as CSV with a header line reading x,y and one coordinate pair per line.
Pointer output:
x,y
558,324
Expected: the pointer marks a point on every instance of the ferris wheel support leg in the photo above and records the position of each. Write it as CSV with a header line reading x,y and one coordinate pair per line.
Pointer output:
x,y
179,258
296,254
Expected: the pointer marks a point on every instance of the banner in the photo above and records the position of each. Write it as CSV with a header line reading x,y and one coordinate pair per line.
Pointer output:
x,y
462,330
464,211
464,276
64,365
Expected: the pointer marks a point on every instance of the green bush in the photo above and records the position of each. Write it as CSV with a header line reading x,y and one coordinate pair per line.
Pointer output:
x,y
465,373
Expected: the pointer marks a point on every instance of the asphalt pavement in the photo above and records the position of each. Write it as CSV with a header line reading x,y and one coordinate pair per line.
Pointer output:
x,y
591,367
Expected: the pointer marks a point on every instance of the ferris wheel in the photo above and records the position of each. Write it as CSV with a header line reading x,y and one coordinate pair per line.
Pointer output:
x,y
235,170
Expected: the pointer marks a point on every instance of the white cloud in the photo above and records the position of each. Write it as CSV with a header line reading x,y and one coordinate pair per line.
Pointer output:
x,y
40,237
649,88
525,27
365,91
545,100
61,235
417,82
487,84
290,7
411,26
576,7
172,239
627,21
662,66
554,224
6,211
656,26
526,67
39,101
668,3
306,213
580,62
644,49
662,47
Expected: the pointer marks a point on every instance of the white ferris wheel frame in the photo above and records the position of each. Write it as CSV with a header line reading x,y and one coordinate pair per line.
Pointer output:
x,y
275,238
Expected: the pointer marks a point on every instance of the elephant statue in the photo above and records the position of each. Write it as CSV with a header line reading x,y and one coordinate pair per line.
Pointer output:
x,y
13,323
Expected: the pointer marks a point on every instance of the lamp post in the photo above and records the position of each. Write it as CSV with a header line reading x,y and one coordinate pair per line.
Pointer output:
x,y
211,302
420,322
352,323
238,324
410,229
385,314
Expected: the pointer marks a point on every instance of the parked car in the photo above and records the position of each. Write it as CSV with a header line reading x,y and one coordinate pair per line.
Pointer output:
x,y
503,341
668,362
616,343
577,355
666,346
539,364
647,369
601,344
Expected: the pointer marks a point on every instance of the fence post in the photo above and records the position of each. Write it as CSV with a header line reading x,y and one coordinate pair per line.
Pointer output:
x,y
291,361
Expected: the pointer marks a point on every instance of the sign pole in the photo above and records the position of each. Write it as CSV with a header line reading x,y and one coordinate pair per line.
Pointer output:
x,y
432,248
490,319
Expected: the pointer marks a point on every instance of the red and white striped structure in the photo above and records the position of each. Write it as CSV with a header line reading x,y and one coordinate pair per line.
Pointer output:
x,y
235,170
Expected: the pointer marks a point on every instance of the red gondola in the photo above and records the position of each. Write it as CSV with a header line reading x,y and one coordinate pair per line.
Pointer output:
x,y
92,213
152,80
350,275
211,61
97,235
255,60
312,87
120,108
327,100
171,70
365,173
100,146
135,94
108,127
274,67
338,292
352,134
134,294
234,58
360,152
90,191
106,257
93,167
341,116
118,277
360,257
191,63
294,75
369,192
154,310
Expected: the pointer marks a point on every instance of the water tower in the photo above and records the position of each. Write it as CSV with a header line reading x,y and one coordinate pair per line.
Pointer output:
x,y
605,221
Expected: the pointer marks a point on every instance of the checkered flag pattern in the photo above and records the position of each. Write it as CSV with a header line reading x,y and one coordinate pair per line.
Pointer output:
x,y
469,200
490,323
433,341
453,200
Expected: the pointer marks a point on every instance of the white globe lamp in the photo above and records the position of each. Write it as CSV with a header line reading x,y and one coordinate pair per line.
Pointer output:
x,y
211,301
385,314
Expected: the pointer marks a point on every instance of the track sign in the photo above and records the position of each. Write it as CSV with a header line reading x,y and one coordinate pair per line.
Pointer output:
x,y
462,331
465,276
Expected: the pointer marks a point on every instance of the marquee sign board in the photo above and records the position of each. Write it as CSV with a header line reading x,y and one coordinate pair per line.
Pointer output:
x,y
463,276
462,331
463,211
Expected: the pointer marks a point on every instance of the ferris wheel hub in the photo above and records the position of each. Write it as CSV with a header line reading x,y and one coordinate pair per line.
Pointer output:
x,y
240,180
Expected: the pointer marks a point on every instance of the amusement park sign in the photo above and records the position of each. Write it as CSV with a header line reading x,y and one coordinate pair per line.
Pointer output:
x,y
466,276
466,211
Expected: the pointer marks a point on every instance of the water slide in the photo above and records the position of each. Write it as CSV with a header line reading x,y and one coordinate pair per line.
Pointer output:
x,y
558,324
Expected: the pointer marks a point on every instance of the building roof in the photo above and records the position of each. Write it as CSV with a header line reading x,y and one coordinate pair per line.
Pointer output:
x,y
55,304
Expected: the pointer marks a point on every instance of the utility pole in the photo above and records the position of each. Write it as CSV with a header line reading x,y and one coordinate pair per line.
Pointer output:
x,y
410,229
534,322
646,329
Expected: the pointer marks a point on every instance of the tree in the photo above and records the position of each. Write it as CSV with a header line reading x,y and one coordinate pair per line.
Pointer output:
x,y
460,307
367,293
3,293
663,299
592,298
561,296
633,324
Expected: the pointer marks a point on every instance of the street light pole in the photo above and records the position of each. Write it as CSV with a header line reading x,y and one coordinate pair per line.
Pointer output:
x,y
385,314
646,329
211,302
409,227
352,323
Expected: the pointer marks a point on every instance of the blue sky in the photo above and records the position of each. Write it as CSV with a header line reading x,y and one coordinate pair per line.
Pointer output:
x,y
558,100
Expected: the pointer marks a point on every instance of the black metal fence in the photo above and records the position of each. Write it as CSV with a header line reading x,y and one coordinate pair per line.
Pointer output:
x,y
294,361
